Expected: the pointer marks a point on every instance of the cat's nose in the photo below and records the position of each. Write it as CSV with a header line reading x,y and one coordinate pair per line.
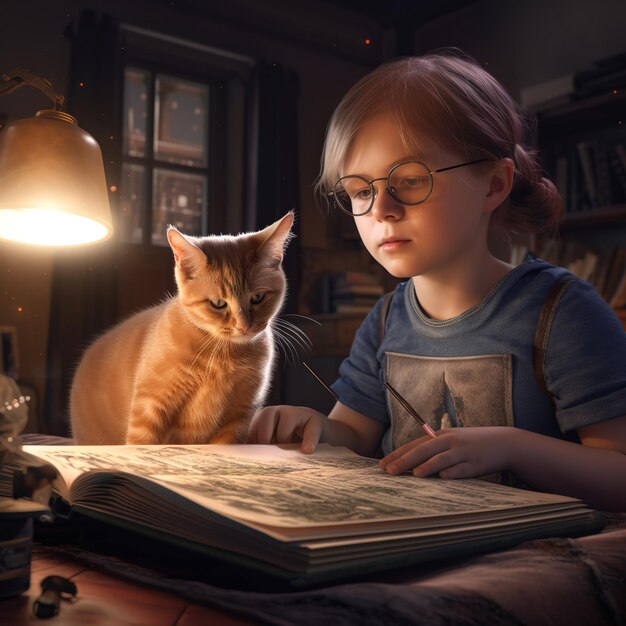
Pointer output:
x,y
243,328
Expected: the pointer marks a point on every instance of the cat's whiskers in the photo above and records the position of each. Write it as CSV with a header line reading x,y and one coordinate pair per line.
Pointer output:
x,y
290,333
297,329
283,343
306,317
285,332
293,332
302,339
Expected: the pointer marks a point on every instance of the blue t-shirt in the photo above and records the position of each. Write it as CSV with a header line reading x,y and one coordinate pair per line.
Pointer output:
x,y
477,368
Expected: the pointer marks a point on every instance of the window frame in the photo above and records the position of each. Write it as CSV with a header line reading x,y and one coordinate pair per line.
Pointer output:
x,y
228,126
213,219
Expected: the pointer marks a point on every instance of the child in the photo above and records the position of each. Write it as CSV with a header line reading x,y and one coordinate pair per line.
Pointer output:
x,y
427,154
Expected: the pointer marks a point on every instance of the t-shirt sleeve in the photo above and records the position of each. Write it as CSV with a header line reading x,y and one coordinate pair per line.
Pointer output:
x,y
359,385
585,362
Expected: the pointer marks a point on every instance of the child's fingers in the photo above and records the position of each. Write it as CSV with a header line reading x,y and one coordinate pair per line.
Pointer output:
x,y
438,463
285,429
417,455
311,433
253,429
267,424
460,470
398,452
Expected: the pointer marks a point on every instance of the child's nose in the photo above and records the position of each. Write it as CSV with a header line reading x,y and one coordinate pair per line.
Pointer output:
x,y
385,205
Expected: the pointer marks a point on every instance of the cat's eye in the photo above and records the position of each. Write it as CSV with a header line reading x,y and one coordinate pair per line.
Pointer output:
x,y
218,304
257,297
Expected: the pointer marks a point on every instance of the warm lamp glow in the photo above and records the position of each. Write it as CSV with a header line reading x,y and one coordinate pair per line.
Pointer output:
x,y
52,186
47,227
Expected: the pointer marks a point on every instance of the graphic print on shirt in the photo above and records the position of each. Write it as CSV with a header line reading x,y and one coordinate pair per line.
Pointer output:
x,y
449,392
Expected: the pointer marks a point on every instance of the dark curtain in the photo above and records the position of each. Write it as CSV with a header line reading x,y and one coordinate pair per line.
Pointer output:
x,y
272,186
83,290
272,176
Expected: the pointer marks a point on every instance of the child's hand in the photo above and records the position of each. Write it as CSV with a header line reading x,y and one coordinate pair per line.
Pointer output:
x,y
455,453
287,424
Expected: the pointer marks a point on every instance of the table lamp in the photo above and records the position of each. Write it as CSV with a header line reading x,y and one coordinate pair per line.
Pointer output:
x,y
52,186
52,193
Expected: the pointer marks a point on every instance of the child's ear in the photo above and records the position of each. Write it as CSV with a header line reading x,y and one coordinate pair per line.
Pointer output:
x,y
274,238
188,257
500,183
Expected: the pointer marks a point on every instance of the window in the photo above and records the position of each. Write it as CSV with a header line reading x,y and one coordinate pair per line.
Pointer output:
x,y
166,169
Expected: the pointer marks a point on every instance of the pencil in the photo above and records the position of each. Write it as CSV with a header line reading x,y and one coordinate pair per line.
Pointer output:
x,y
410,410
321,382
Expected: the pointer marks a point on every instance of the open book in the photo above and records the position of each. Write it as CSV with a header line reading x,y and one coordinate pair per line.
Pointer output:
x,y
303,518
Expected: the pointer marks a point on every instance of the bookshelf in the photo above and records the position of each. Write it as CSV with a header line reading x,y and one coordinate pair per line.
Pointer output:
x,y
583,145
583,150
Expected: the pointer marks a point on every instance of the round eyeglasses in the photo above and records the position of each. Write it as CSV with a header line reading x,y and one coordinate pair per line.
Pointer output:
x,y
409,182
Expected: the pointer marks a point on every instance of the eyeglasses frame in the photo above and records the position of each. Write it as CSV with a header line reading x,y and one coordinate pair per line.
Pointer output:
x,y
331,194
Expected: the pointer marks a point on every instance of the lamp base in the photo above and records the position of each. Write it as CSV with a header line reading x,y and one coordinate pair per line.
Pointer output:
x,y
16,541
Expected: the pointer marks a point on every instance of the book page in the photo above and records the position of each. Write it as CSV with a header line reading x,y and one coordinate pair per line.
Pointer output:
x,y
282,487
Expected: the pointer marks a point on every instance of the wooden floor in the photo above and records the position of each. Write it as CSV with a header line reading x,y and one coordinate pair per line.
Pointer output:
x,y
103,600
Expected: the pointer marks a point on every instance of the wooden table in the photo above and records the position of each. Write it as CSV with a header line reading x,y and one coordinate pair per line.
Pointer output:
x,y
542,582
103,599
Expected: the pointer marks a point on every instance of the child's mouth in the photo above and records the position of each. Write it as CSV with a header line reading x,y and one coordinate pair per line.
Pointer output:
x,y
394,244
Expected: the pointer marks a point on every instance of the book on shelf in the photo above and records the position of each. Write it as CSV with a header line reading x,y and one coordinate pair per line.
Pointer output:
x,y
352,292
589,176
343,279
303,519
593,176
359,290
610,274
605,269
349,287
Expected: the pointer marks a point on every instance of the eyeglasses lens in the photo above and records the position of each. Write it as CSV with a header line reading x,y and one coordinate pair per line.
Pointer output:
x,y
409,183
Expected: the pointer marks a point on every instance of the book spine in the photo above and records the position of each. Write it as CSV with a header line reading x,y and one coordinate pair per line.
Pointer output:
x,y
585,155
354,278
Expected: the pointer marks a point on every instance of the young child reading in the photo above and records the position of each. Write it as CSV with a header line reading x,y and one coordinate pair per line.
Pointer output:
x,y
427,154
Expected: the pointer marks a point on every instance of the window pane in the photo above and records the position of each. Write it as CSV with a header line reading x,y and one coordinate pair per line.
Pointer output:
x,y
180,200
181,113
135,111
132,203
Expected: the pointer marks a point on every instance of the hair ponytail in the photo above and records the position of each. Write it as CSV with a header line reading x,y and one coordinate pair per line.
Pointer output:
x,y
534,204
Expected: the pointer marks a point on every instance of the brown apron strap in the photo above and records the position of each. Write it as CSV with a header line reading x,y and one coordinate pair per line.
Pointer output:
x,y
383,315
542,332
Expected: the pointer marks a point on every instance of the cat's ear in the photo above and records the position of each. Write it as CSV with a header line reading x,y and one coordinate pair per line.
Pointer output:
x,y
274,238
189,258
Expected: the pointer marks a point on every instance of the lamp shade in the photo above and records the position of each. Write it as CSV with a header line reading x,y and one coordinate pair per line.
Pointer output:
x,y
52,186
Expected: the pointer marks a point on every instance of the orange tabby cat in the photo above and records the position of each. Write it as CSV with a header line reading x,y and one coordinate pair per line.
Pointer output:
x,y
194,368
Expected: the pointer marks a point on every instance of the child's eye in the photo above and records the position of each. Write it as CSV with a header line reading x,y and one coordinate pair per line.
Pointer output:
x,y
413,181
218,304
363,194
257,297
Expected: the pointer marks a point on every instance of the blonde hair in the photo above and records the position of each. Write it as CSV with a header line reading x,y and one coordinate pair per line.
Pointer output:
x,y
447,97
